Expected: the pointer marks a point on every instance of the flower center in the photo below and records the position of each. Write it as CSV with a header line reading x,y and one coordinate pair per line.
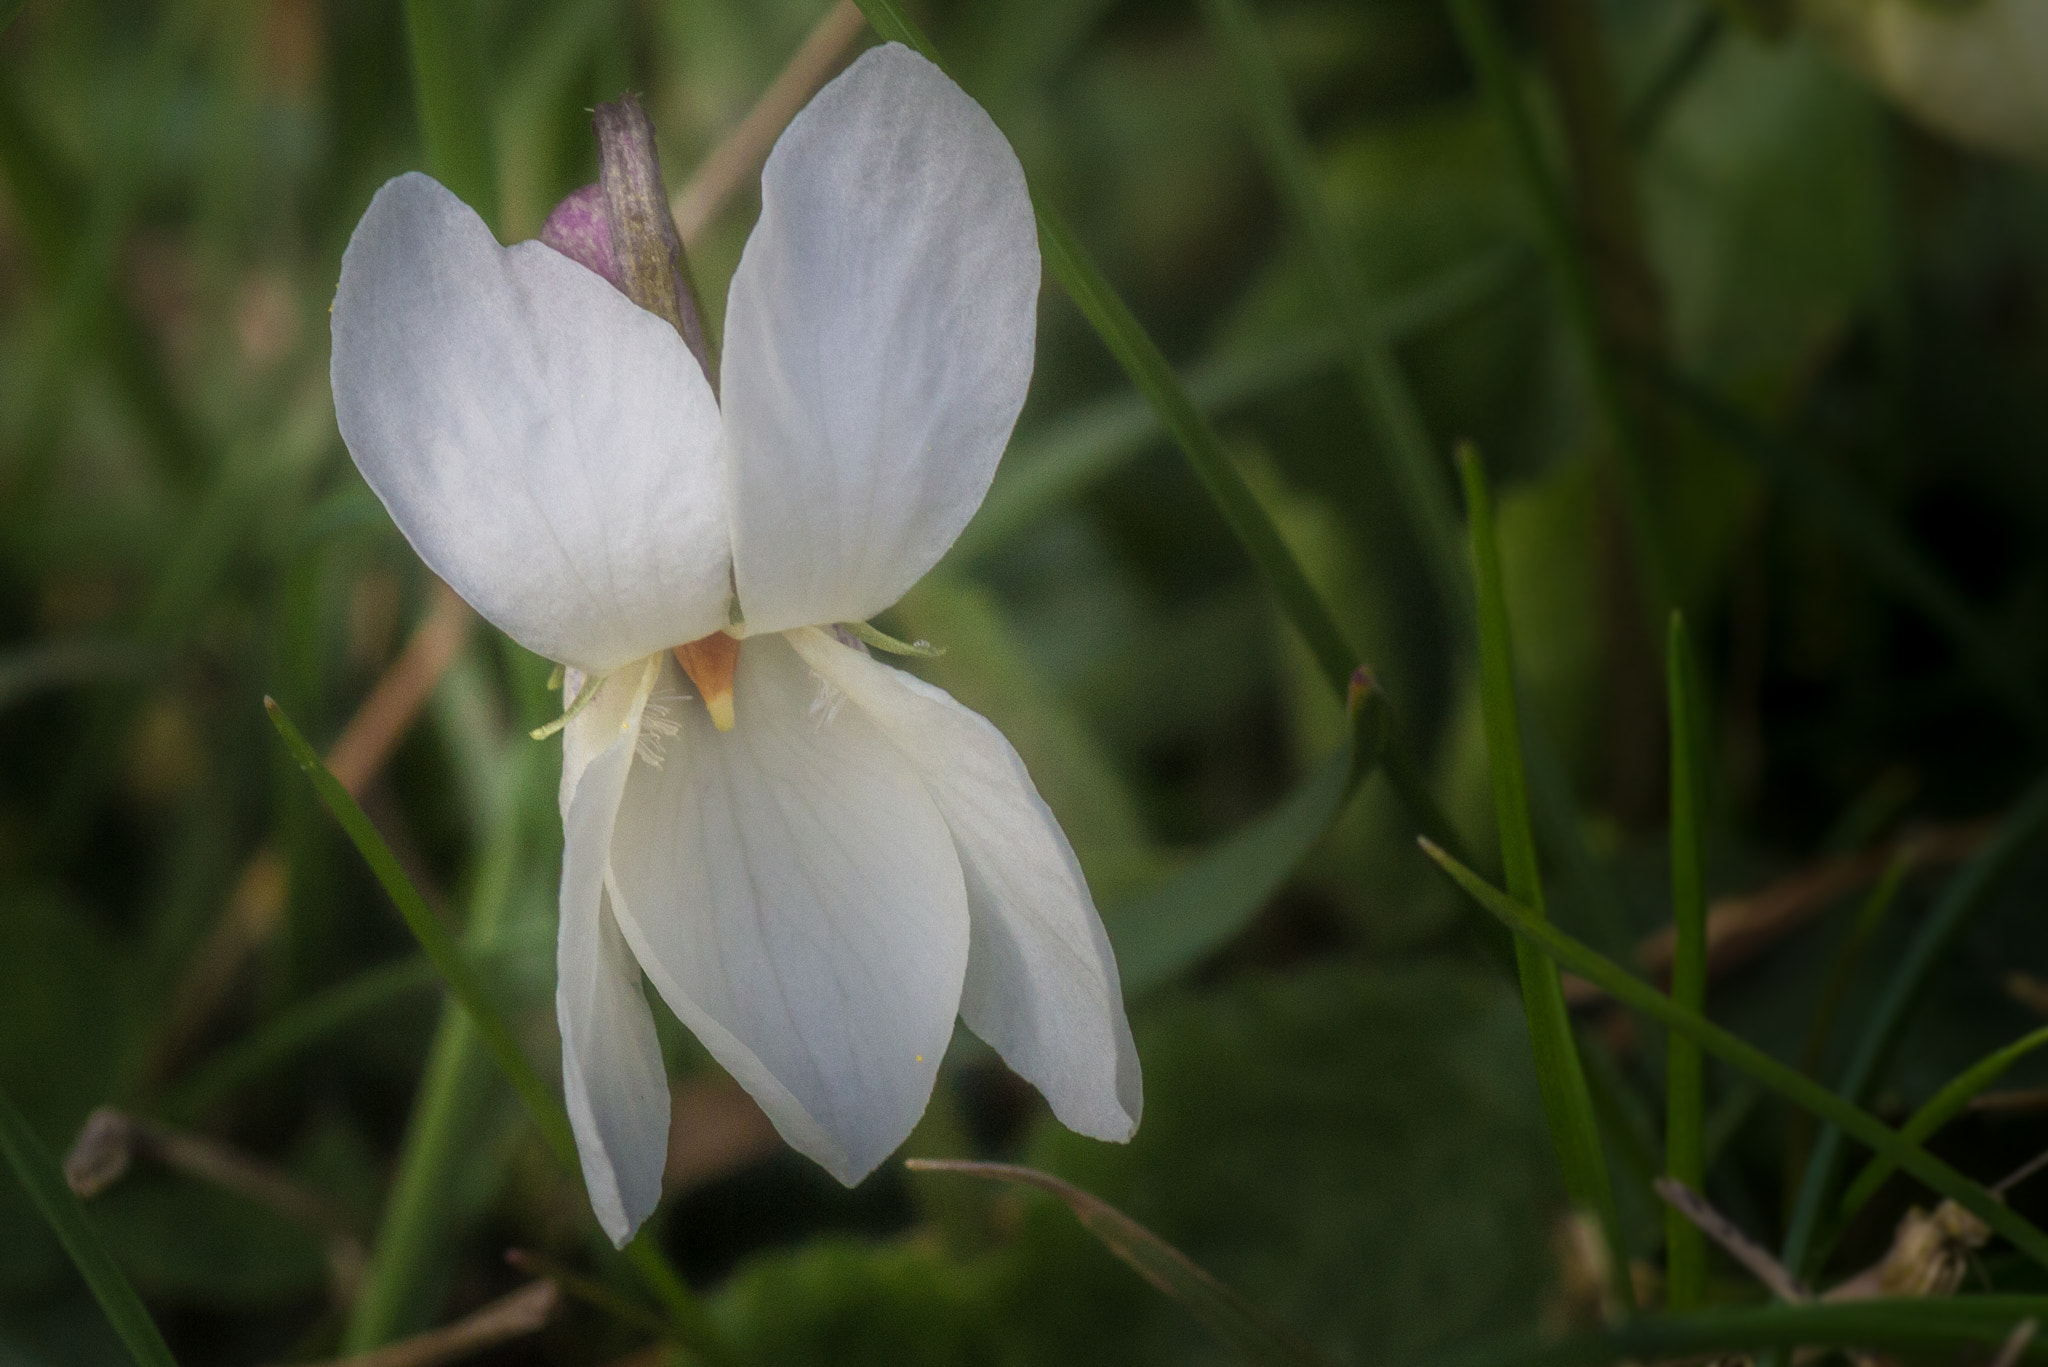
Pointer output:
x,y
710,662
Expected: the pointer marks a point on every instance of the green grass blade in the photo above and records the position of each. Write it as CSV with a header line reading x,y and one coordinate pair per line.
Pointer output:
x,y
1168,929
1487,49
1916,1329
1965,893
1417,469
1249,1331
1944,1106
1864,530
1141,359
694,1327
1567,1104
39,1175
453,100
1051,464
1800,1090
1685,1274
9,9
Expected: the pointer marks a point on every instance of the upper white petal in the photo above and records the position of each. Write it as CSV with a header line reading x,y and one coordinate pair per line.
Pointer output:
x,y
1041,979
612,1075
791,891
550,449
878,342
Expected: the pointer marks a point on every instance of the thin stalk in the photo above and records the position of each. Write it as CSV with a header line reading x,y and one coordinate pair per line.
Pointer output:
x,y
1685,1144
693,1326
1417,471
1567,1103
451,94
1577,294
39,1175
1960,900
1633,992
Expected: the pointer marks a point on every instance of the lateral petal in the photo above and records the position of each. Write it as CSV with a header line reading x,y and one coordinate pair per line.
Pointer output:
x,y
793,894
879,337
550,449
1041,982
613,1079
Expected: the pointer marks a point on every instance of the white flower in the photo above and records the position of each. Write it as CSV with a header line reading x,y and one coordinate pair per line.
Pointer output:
x,y
819,890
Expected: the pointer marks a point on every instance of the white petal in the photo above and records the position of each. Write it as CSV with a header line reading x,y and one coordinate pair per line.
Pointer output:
x,y
550,449
612,1074
878,342
1041,979
791,891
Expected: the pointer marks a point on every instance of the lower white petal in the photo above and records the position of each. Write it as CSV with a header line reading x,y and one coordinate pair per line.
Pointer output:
x,y
1041,980
792,892
612,1075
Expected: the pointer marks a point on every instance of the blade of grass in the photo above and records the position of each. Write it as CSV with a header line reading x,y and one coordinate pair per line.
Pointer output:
x,y
453,100
1239,1324
1841,974
1418,471
1574,1130
1685,1251
40,1177
1868,534
1965,893
1051,464
1631,991
1944,1106
692,1324
1487,49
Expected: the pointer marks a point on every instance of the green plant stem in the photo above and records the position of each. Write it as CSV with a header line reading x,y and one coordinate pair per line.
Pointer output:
x,y
1685,1274
1965,893
1847,1117
1577,294
1417,472
693,1326
1560,1074
1939,1109
451,94
38,1174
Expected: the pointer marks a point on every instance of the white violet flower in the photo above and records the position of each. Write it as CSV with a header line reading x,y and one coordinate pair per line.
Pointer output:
x,y
817,860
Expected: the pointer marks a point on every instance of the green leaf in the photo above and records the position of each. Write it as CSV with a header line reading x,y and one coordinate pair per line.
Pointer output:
x,y
1166,930
1964,894
693,1326
1685,1100
1936,1112
1559,1073
1416,468
1227,1315
37,1172
453,99
1849,1118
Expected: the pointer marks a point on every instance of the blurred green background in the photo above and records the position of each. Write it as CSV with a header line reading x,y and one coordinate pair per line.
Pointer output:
x,y
1342,1120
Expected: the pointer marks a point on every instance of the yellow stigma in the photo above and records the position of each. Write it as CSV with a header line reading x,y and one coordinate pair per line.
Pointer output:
x,y
710,661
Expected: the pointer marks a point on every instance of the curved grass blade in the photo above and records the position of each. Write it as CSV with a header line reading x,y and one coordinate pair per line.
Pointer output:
x,y
1166,930
1939,1109
1561,1076
1685,1252
40,1176
1896,1326
1965,893
1230,1317
1418,472
454,108
692,1324
1849,1118
1863,529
